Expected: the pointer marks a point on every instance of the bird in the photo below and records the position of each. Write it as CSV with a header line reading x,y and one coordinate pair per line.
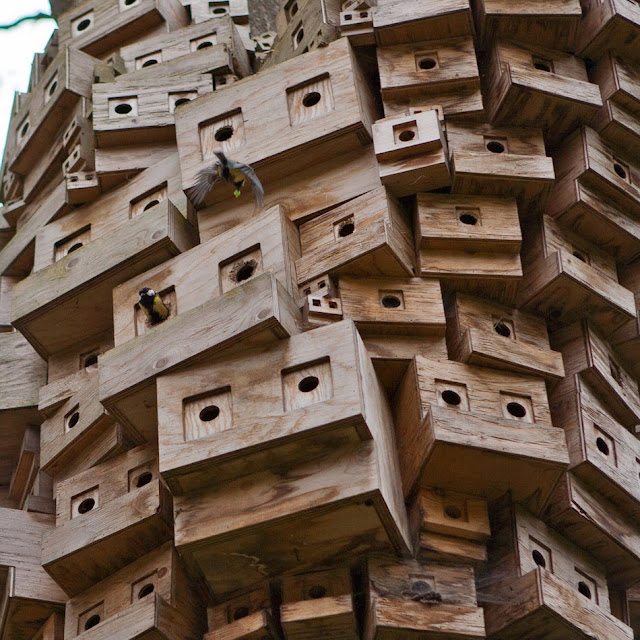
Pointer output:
x,y
230,171
152,305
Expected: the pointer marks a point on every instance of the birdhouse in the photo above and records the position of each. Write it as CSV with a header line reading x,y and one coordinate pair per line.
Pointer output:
x,y
411,152
537,86
401,306
282,401
565,587
367,235
585,351
357,25
395,23
82,187
626,339
203,10
99,27
319,604
52,629
434,72
470,241
494,335
567,277
405,598
447,413
116,512
152,596
33,596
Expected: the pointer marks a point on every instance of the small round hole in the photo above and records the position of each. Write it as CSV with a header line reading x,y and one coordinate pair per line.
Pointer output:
x,y
427,63
619,170
502,329
554,314
83,26
583,588
577,254
245,272
346,229
317,591
516,410
451,397
74,247
128,3
73,420
146,590
123,109
92,622
495,147
219,11
89,361
299,36
85,506
240,612
294,9
603,447
181,101
453,512
25,128
391,302
308,384
209,413
311,99
74,178
144,479
148,206
52,88
542,66
468,218
538,558
407,136
204,45
223,133
150,62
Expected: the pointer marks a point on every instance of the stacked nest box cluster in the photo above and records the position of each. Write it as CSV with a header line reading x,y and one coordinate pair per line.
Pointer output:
x,y
399,399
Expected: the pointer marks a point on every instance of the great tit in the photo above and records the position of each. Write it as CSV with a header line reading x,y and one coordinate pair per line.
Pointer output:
x,y
230,171
151,303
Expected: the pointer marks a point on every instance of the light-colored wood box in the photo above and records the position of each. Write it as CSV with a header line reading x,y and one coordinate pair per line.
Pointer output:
x,y
267,243
565,588
626,339
441,73
451,527
245,617
313,110
602,452
494,335
21,462
82,187
585,155
68,78
619,127
69,301
409,599
184,42
203,10
597,526
28,595
618,79
107,517
393,306
258,312
248,412
395,22
347,497
357,25
610,24
99,27
319,604
552,24
585,351
412,153
369,235
82,355
566,277
500,161
471,241
52,629
6,287
152,597
478,431
22,373
537,86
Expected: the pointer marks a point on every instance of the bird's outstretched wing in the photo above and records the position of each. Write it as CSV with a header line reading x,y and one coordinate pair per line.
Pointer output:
x,y
256,185
204,183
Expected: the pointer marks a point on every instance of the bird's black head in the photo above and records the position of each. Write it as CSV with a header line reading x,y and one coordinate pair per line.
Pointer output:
x,y
147,294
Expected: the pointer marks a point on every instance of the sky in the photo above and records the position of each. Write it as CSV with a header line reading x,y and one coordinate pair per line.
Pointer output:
x,y
17,48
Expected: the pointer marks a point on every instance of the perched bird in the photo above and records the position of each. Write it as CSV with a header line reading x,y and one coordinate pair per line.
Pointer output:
x,y
230,171
151,303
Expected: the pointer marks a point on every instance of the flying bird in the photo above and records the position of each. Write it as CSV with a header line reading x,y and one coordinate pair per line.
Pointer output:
x,y
230,171
152,305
